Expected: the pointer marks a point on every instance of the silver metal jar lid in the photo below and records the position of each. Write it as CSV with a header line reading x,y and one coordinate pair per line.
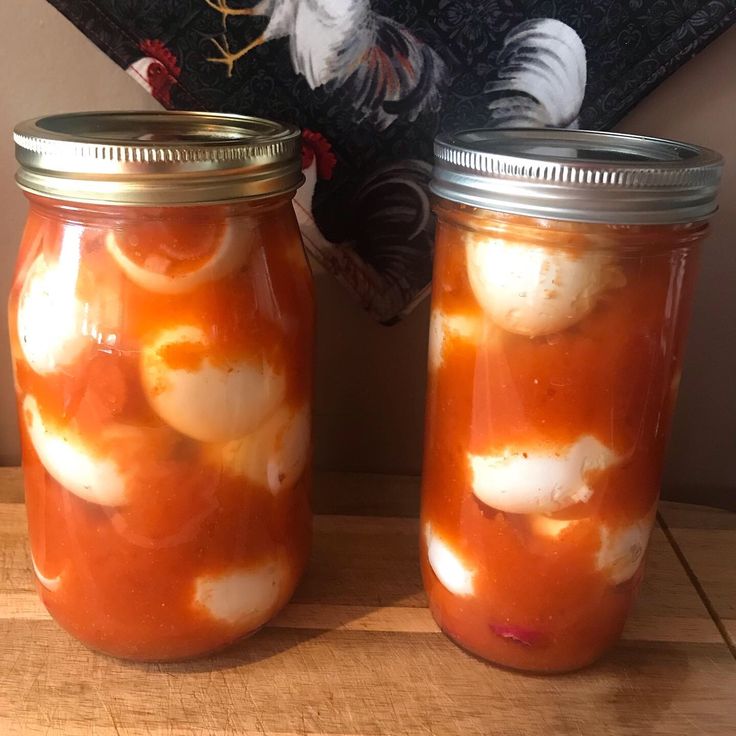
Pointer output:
x,y
156,158
578,175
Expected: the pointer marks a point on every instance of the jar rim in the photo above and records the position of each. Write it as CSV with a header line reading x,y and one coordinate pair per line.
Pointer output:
x,y
157,158
578,175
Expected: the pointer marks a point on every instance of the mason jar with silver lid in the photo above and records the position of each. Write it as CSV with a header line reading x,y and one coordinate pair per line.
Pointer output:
x,y
161,325
564,272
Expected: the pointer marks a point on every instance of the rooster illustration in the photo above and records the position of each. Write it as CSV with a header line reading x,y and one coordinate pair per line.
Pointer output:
x,y
386,71
378,241
318,162
383,251
384,254
157,71
541,77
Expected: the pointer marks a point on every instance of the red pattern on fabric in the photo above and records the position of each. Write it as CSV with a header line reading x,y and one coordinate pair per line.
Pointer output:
x,y
157,50
316,145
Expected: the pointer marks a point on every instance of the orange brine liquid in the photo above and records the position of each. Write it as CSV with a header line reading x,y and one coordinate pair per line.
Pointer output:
x,y
555,356
163,363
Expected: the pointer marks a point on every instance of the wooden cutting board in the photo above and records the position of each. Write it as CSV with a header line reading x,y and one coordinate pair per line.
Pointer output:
x,y
357,653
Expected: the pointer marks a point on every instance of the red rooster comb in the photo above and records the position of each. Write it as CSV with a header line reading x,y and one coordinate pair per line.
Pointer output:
x,y
316,145
156,50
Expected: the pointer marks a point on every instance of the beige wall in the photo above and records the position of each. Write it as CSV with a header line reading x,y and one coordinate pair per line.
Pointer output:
x,y
370,379
698,104
47,66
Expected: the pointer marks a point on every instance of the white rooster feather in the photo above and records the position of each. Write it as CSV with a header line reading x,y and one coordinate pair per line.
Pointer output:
x,y
541,77
384,69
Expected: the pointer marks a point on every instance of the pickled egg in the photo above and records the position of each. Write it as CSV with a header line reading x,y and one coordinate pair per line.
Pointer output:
x,y
51,584
168,259
50,317
275,454
531,480
206,400
445,327
622,550
245,596
447,565
532,290
551,528
71,461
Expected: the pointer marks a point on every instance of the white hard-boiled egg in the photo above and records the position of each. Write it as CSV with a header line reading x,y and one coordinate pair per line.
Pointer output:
x,y
208,401
533,290
71,462
444,327
50,317
51,584
246,597
546,526
531,480
622,550
447,565
229,254
275,454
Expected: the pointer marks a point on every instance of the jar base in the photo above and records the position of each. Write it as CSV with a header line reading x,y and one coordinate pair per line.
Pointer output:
x,y
152,650
526,667
184,658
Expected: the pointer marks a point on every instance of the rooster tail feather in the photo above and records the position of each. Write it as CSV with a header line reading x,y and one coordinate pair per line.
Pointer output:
x,y
397,76
393,227
541,76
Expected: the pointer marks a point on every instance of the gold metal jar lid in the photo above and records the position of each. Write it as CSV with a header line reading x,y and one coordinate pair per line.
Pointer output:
x,y
156,158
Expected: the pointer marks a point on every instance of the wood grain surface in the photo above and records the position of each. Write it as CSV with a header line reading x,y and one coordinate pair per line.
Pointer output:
x,y
705,539
357,654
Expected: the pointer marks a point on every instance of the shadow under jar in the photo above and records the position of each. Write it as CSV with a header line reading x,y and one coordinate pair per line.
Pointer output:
x,y
564,270
161,324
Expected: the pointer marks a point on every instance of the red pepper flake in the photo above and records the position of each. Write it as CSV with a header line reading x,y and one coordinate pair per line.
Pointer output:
x,y
527,637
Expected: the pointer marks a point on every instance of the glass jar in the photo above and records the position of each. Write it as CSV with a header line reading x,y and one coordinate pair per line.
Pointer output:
x,y
563,276
161,325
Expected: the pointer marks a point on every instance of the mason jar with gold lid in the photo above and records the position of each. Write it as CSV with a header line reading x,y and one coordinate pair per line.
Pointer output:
x,y
161,324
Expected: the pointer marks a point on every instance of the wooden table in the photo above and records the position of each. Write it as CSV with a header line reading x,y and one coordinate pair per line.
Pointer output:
x,y
357,652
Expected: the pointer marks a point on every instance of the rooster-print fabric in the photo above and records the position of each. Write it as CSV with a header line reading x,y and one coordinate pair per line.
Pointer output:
x,y
371,82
